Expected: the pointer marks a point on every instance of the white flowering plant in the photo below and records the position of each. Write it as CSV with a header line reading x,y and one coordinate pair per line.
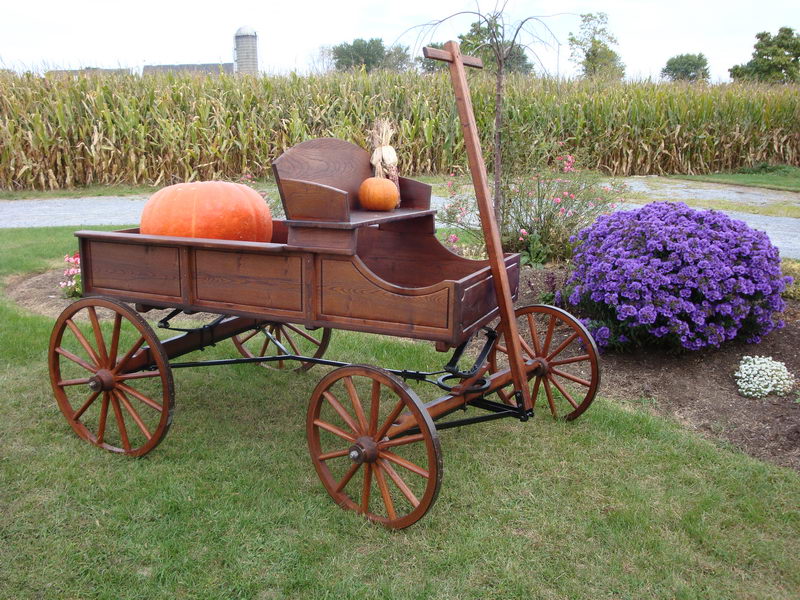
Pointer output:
x,y
760,376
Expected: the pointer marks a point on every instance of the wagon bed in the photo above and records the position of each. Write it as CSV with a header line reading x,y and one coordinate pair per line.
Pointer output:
x,y
390,279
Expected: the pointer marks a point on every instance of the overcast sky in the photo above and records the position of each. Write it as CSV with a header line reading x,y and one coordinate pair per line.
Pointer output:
x,y
40,34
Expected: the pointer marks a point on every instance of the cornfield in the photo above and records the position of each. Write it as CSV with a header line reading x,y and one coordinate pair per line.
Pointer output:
x,y
161,129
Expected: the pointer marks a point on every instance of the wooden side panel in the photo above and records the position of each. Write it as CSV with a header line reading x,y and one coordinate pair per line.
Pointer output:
x,y
248,280
150,270
348,294
479,299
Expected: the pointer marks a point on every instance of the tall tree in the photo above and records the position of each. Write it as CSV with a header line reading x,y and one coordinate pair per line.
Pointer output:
x,y
478,42
591,48
686,67
776,59
366,53
500,45
370,54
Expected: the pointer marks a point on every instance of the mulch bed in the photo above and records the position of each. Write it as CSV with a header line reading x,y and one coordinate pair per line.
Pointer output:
x,y
697,389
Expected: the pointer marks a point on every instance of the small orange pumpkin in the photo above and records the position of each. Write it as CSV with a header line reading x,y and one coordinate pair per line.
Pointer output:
x,y
377,193
208,209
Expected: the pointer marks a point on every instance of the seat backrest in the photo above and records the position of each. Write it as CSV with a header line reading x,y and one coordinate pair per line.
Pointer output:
x,y
328,161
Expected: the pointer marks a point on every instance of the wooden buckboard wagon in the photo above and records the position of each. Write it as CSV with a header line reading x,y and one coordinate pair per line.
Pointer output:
x,y
329,265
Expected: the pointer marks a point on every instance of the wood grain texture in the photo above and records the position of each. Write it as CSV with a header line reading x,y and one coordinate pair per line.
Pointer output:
x,y
143,269
351,291
327,161
314,201
258,281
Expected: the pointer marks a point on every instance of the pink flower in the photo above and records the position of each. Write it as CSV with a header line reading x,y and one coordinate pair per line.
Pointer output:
x,y
591,204
572,196
562,210
452,238
613,205
570,213
523,232
557,200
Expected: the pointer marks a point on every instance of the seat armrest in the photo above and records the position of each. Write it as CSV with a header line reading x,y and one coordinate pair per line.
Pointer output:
x,y
414,194
309,201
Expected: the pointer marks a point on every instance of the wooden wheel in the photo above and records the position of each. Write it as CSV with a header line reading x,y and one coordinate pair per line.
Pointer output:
x,y
107,403
567,370
364,460
295,338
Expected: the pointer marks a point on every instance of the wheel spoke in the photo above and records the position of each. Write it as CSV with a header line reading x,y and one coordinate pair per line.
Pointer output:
x,y
390,421
112,355
101,428
534,333
404,463
387,498
265,345
573,359
531,353
535,393
402,441
78,413
375,400
502,349
549,335
564,392
347,477
340,410
84,342
98,334
550,400
308,336
250,335
401,485
335,454
351,391
136,418
76,359
123,432
128,355
366,488
137,394
571,377
291,342
334,430
562,346
68,382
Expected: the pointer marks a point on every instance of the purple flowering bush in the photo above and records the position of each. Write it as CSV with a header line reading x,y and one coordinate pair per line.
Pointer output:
x,y
672,276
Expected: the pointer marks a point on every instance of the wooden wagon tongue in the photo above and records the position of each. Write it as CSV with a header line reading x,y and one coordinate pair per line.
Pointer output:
x,y
452,55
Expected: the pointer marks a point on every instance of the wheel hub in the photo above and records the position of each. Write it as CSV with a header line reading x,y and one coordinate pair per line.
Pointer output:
x,y
103,380
540,367
364,450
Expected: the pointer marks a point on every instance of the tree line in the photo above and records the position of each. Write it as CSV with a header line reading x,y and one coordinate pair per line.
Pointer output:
x,y
775,59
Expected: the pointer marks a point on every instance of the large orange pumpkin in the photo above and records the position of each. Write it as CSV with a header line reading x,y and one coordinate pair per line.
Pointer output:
x,y
208,209
377,193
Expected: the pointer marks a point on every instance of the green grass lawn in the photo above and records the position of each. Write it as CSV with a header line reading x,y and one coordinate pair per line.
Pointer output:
x,y
619,504
783,177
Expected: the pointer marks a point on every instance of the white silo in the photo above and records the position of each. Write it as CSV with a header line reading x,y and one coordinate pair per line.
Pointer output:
x,y
246,51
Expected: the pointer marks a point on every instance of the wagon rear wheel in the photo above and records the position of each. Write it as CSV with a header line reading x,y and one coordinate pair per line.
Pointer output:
x,y
567,372
108,400
296,339
374,445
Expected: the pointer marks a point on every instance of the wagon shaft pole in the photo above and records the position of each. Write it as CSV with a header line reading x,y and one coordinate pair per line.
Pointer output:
x,y
456,61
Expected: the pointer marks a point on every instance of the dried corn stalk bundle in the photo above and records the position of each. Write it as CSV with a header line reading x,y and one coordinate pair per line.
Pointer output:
x,y
384,158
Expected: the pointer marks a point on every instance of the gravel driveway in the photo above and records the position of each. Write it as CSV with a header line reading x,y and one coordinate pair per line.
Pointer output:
x,y
113,210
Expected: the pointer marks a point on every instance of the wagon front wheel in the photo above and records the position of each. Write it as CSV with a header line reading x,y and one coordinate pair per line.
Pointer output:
x,y
264,340
111,377
565,363
374,445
